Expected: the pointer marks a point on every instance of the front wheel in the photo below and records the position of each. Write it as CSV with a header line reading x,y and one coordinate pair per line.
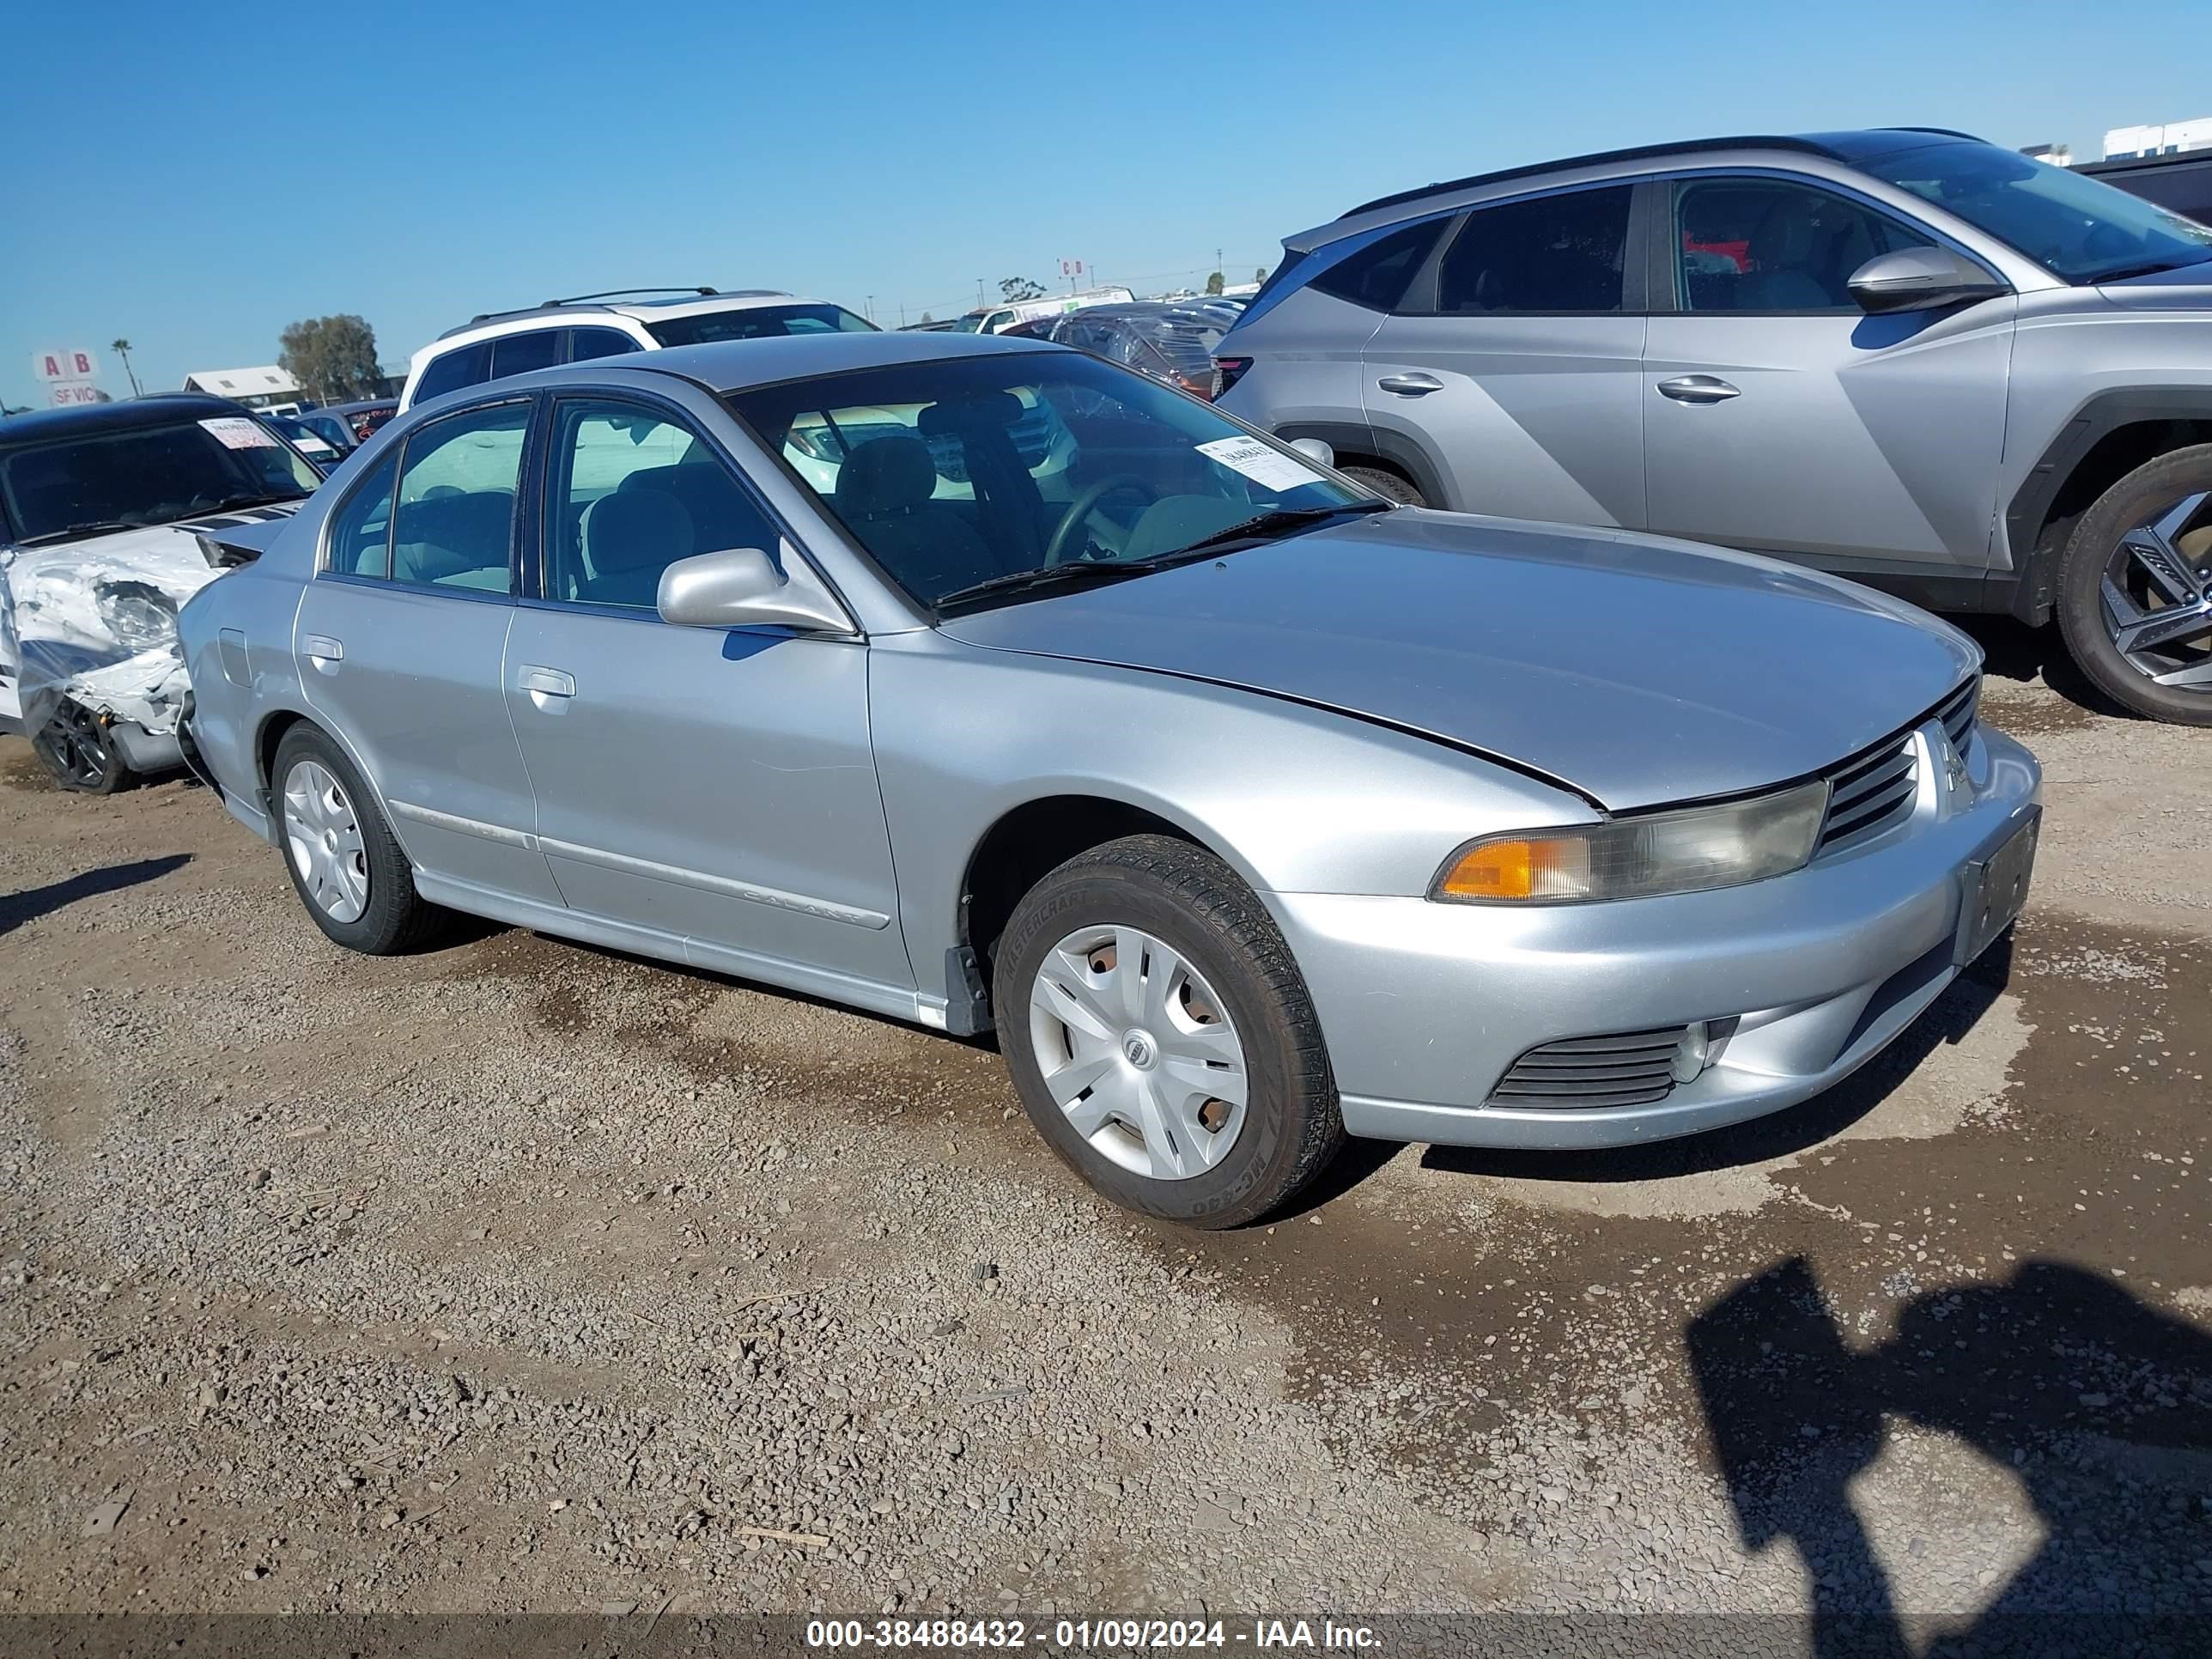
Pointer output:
x,y
1161,1035
79,751
2135,594
1388,485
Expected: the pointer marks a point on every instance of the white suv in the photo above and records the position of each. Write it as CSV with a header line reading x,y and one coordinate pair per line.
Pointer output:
x,y
499,343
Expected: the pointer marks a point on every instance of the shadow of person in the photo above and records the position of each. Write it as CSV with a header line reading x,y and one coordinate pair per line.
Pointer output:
x,y
17,909
2099,1406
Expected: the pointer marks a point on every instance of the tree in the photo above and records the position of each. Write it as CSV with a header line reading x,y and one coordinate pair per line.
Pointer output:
x,y
331,359
926,318
1261,275
1214,283
1015,289
122,349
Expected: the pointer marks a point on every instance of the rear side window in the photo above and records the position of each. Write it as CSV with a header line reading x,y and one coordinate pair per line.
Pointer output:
x,y
1377,275
520,354
361,535
454,522
1550,254
586,343
468,365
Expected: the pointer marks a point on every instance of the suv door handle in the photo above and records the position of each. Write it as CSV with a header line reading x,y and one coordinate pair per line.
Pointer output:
x,y
1698,389
324,651
1415,384
547,682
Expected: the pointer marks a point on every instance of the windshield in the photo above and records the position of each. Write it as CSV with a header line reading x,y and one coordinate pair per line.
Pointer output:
x,y
757,323
970,323
147,475
970,469
2078,228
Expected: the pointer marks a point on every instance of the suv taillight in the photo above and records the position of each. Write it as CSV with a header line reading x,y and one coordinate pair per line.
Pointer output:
x,y
1227,371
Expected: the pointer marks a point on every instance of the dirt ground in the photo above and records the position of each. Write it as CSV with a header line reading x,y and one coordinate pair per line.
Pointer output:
x,y
521,1276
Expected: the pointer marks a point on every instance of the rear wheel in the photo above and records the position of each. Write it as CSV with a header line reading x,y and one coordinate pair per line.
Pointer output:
x,y
1161,1035
1388,485
346,866
2135,598
77,748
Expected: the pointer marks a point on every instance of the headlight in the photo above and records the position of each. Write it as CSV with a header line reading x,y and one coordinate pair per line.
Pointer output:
x,y
1683,852
140,616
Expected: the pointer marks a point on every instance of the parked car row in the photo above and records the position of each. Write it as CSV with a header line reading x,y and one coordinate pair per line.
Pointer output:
x,y
1907,356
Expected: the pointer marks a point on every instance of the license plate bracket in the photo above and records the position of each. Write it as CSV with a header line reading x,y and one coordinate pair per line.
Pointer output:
x,y
1995,889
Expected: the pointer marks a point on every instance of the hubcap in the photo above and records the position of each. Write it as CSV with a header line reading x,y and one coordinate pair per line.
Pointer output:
x,y
324,837
75,747
1139,1052
2157,593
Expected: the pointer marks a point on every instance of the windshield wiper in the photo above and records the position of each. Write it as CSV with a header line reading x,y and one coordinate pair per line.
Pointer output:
x,y
1075,573
90,527
1283,521
250,498
2149,267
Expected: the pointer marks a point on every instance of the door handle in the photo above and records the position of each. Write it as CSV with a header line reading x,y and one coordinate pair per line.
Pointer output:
x,y
547,682
1698,389
1415,384
325,652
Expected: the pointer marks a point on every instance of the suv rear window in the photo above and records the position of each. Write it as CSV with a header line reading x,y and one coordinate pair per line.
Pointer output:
x,y
463,366
1377,275
757,322
1547,253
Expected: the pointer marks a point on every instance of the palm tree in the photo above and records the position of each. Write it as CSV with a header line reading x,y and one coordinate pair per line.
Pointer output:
x,y
122,349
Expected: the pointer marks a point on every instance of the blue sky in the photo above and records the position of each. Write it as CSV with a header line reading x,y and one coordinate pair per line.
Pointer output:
x,y
194,177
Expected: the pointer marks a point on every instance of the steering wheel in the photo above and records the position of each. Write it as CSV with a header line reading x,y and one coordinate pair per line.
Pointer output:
x,y
1055,551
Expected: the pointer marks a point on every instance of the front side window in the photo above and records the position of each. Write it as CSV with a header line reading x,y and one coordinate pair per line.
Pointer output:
x,y
629,493
98,481
1555,253
360,542
468,365
1377,276
453,524
976,480
2078,228
757,323
1772,245
522,354
587,344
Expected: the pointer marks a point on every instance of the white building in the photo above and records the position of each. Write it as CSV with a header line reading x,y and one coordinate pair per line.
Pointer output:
x,y
2122,143
268,387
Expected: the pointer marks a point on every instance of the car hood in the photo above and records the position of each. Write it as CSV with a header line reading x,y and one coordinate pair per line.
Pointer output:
x,y
1635,670
2188,287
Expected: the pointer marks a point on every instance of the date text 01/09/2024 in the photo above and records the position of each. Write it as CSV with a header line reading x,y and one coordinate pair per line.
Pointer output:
x,y
1082,1634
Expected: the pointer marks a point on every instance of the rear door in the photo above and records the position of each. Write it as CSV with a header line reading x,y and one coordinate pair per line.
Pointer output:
x,y
712,785
400,638
1781,418
1513,362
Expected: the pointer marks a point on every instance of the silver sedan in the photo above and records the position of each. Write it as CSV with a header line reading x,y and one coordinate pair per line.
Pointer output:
x,y
980,683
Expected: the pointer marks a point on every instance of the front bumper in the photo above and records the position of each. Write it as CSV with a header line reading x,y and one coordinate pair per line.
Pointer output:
x,y
1426,1006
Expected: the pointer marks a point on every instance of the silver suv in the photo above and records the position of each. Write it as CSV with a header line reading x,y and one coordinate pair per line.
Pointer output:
x,y
1907,356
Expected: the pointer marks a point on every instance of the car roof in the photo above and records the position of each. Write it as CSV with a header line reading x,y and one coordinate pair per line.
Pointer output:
x,y
742,365
688,302
156,408
1850,147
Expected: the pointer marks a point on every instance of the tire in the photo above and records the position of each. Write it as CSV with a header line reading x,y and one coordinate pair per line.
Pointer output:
x,y
1223,948
392,919
2096,551
79,754
1388,485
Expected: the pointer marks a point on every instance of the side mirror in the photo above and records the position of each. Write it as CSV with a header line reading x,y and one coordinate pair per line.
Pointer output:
x,y
741,587
1920,279
1315,450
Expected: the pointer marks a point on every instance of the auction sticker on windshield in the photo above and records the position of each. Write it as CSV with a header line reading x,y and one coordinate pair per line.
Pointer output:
x,y
1269,468
236,432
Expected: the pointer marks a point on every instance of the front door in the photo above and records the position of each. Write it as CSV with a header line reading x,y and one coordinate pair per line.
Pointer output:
x,y
1512,363
1781,418
400,638
715,786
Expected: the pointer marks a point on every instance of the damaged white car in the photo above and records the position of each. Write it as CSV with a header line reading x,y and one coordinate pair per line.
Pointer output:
x,y
110,517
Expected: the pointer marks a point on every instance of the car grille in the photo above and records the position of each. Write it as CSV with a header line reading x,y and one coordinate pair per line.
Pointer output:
x,y
1629,1068
1873,791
